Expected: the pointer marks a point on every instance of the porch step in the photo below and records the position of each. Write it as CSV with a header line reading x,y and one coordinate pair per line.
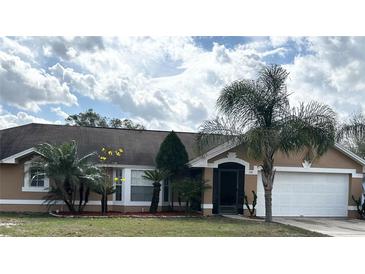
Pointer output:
x,y
228,209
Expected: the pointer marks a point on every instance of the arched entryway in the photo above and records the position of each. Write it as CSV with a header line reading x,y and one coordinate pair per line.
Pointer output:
x,y
228,188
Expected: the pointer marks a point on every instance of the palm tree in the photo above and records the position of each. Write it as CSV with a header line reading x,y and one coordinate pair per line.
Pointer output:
x,y
352,134
71,176
156,176
257,113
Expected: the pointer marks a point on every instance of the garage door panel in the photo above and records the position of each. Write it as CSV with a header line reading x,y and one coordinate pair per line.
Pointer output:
x,y
306,194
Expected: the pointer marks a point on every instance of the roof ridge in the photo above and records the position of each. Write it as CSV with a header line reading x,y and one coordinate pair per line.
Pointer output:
x,y
108,128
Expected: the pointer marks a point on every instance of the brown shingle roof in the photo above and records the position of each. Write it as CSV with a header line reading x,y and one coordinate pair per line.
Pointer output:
x,y
140,146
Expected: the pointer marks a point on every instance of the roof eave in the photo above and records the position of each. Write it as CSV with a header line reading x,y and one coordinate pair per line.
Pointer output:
x,y
13,158
225,147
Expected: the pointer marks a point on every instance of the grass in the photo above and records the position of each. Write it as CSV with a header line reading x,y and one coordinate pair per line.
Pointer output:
x,y
12,224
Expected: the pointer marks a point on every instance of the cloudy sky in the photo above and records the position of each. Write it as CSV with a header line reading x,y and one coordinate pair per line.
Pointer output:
x,y
167,82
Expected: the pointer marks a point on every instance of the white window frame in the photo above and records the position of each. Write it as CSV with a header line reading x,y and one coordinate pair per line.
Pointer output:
x,y
27,180
130,186
121,202
126,185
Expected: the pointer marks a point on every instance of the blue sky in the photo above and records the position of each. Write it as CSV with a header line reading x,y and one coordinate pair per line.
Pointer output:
x,y
167,82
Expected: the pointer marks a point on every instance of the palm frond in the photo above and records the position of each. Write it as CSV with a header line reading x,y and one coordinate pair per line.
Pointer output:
x,y
218,131
311,126
273,77
156,175
355,129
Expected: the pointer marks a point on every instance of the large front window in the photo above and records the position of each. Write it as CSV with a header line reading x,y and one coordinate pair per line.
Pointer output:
x,y
36,177
141,189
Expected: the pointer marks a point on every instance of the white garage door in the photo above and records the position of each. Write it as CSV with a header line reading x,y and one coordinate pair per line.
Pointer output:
x,y
306,194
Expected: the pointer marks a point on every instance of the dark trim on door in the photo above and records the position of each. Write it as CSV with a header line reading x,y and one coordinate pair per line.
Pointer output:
x,y
240,169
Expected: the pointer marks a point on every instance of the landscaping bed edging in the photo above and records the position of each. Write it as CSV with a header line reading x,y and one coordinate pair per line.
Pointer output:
x,y
125,215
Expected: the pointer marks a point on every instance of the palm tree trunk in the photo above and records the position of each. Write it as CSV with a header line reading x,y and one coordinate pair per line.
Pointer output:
x,y
102,204
268,174
268,206
81,196
155,197
69,206
106,203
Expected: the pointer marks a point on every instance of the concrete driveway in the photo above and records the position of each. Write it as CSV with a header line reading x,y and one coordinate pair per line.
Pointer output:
x,y
337,227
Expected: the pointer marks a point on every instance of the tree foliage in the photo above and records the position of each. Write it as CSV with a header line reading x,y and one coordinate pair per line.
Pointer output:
x,y
189,190
90,118
103,186
172,155
71,176
257,113
352,134
125,123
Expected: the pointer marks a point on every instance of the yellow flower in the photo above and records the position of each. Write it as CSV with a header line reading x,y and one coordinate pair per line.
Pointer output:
x,y
117,153
110,152
120,150
116,179
123,179
103,149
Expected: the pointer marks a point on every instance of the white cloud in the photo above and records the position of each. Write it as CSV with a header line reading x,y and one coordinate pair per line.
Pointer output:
x,y
333,73
162,79
171,82
12,47
278,41
59,112
28,88
11,120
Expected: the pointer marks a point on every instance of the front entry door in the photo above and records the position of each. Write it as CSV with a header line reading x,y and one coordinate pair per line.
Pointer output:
x,y
228,188
228,191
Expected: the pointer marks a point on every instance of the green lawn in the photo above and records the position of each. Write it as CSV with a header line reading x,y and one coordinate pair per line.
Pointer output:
x,y
12,224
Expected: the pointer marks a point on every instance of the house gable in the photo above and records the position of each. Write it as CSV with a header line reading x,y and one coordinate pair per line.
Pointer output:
x,y
335,158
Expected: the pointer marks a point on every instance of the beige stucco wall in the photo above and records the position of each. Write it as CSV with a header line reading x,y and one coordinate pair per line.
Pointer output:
x,y
12,181
250,185
208,178
331,159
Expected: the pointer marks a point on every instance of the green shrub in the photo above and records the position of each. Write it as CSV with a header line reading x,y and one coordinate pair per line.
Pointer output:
x,y
189,190
360,207
252,211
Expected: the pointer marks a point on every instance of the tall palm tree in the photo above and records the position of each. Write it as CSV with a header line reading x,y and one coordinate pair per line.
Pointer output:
x,y
156,176
352,134
257,113
71,176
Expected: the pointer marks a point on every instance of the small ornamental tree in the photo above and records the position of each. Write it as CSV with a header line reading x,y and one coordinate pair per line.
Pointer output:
x,y
106,185
172,157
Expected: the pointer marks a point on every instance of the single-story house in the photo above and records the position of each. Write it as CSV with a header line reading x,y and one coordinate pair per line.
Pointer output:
x,y
321,188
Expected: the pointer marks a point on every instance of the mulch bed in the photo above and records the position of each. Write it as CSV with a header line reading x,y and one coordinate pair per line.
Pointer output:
x,y
165,214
